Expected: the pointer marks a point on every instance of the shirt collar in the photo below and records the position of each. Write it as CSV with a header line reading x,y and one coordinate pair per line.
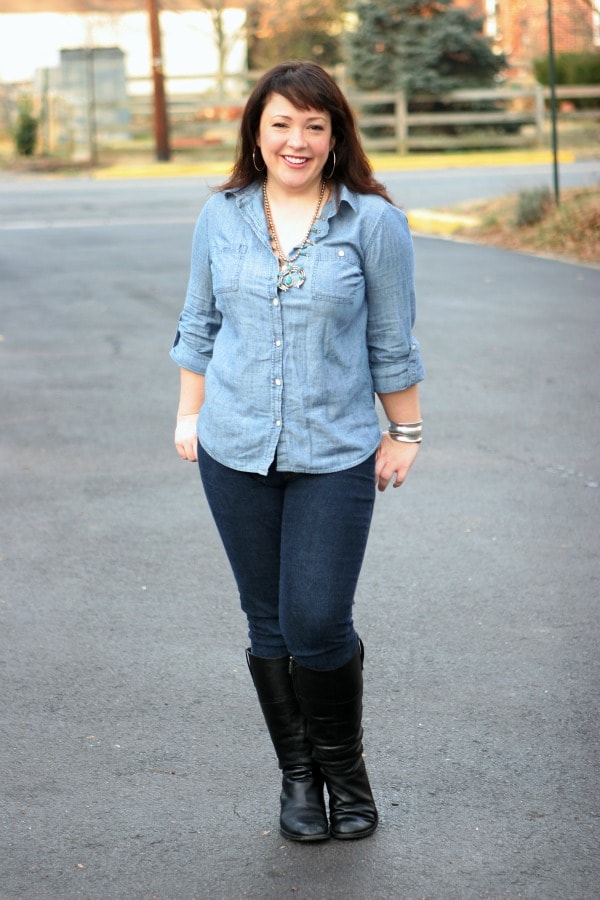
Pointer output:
x,y
245,196
347,196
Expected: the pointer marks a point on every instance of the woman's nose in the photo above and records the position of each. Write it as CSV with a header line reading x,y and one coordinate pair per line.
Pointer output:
x,y
296,138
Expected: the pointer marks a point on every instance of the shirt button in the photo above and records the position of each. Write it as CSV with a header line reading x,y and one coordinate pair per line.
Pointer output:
x,y
278,381
278,343
278,422
275,301
341,253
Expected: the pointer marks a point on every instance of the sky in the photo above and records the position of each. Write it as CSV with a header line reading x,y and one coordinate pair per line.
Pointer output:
x,y
32,41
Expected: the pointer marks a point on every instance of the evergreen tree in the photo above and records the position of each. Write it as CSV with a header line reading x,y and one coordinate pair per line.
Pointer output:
x,y
420,46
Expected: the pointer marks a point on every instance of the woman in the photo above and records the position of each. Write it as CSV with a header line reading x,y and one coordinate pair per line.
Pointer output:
x,y
299,307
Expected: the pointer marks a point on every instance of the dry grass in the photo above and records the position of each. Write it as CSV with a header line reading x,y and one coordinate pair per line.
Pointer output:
x,y
570,230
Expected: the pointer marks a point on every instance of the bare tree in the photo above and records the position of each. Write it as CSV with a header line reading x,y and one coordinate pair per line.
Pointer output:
x,y
224,38
293,29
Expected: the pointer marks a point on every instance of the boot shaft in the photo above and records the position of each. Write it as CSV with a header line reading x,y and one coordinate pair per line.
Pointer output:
x,y
281,710
332,703
331,700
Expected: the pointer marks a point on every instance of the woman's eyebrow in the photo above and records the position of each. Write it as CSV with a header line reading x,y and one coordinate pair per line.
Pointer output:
x,y
277,115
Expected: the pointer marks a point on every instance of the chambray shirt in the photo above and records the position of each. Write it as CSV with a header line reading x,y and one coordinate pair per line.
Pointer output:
x,y
292,375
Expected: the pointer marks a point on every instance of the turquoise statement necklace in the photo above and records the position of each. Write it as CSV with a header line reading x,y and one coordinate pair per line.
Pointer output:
x,y
289,275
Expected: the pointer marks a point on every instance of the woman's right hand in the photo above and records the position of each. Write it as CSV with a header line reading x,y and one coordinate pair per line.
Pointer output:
x,y
186,437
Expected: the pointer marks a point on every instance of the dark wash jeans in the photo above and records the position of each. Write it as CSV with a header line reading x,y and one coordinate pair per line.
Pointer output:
x,y
296,544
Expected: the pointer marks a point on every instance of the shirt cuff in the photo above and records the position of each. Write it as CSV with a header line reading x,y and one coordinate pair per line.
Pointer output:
x,y
187,357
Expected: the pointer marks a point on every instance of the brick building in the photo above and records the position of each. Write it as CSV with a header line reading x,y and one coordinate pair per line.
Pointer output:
x,y
520,28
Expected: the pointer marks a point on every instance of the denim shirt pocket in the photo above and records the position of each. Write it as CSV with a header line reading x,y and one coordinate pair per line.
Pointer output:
x,y
337,275
226,262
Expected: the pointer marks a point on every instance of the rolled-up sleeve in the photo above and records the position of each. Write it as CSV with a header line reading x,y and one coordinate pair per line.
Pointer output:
x,y
200,321
394,353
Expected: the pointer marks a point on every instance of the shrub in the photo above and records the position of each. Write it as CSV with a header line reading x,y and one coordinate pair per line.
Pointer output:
x,y
26,132
571,68
532,206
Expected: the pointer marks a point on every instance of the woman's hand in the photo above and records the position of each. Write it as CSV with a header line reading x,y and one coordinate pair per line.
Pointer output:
x,y
186,437
393,458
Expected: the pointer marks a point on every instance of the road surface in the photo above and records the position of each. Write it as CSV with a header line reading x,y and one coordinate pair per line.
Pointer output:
x,y
135,762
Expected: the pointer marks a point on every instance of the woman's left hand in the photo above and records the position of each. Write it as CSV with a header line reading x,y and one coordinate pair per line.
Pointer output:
x,y
186,436
393,460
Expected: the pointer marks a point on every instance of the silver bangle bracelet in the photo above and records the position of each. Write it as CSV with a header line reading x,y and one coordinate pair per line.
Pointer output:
x,y
403,427
405,438
409,432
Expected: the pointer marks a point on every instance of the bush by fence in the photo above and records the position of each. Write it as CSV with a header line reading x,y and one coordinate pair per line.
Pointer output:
x,y
570,68
26,131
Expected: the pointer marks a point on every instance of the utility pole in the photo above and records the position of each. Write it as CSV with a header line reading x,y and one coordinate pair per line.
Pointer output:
x,y
161,127
553,113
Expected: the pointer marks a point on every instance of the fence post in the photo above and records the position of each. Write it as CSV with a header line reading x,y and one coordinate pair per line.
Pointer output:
x,y
540,114
401,123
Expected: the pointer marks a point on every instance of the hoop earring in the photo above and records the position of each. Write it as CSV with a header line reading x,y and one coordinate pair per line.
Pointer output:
x,y
332,168
254,162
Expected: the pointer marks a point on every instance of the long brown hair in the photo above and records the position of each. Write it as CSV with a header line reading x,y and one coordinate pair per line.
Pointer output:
x,y
307,86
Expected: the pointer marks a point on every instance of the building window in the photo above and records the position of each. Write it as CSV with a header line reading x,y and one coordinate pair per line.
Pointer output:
x,y
491,18
596,25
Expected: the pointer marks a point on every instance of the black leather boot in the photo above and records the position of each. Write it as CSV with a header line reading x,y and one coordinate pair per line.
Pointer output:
x,y
303,815
332,703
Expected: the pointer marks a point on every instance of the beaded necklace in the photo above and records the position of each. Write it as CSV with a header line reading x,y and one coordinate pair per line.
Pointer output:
x,y
289,275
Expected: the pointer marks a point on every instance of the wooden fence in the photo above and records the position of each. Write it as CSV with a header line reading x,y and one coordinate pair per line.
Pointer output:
x,y
458,119
501,117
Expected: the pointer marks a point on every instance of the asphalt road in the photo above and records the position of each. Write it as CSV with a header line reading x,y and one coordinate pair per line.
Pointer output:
x,y
134,760
31,203
444,187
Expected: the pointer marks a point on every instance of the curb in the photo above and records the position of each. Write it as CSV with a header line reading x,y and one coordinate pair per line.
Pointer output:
x,y
161,170
380,162
428,221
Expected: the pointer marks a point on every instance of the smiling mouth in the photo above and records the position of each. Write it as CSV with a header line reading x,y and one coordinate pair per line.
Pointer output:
x,y
296,160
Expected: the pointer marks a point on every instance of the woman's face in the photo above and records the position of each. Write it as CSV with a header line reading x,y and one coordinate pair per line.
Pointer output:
x,y
294,143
